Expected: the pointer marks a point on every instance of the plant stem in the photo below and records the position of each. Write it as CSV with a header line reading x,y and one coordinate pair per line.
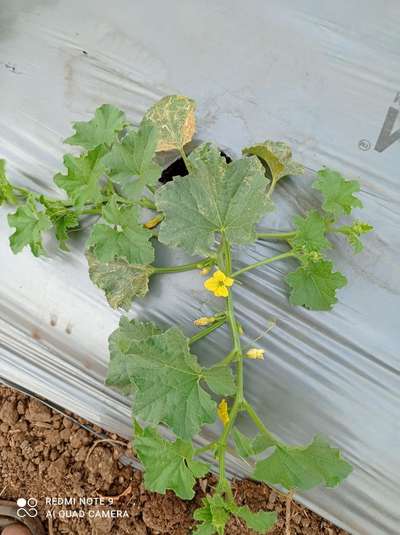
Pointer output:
x,y
91,211
147,203
185,159
274,182
230,357
275,235
260,425
183,267
206,331
236,352
203,449
263,262
289,499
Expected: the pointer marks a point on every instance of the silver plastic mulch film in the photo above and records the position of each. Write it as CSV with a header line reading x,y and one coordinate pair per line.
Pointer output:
x,y
324,77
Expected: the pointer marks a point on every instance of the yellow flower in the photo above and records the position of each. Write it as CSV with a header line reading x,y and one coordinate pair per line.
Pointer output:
x,y
223,411
204,320
255,353
219,283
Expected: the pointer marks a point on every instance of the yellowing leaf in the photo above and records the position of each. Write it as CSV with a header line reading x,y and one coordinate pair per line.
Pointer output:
x,y
120,281
277,157
175,117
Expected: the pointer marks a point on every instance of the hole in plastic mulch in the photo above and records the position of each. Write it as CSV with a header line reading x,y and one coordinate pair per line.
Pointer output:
x,y
178,168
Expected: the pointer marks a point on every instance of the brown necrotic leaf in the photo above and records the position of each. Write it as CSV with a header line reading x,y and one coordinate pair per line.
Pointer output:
x,y
175,117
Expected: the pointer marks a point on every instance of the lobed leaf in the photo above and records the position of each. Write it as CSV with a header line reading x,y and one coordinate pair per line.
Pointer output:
x,y
314,285
121,236
130,162
82,179
337,192
220,380
174,116
62,218
215,513
128,333
354,232
296,467
29,225
168,465
166,379
6,189
311,233
276,157
101,130
261,522
215,197
120,281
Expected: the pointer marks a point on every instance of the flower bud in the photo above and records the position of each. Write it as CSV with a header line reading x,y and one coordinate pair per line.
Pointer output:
x,y
255,353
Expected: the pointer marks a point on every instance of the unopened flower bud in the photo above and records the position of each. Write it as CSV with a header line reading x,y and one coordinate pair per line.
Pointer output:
x,y
204,321
255,353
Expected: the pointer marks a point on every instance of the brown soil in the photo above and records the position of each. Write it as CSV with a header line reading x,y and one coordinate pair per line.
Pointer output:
x,y
45,454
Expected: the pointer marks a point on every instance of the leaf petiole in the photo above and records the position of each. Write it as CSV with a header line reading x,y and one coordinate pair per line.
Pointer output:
x,y
207,330
184,267
262,263
276,235
259,424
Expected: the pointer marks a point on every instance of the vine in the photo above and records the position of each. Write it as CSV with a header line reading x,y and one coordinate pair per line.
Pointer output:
x,y
216,206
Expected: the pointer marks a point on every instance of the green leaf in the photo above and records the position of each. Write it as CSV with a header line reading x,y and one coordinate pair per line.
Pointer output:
x,y
63,219
82,179
220,380
102,129
168,464
276,157
129,333
310,235
166,377
214,513
120,281
204,529
123,236
314,285
261,522
353,233
296,467
337,192
174,116
215,197
247,447
6,189
130,162
29,224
